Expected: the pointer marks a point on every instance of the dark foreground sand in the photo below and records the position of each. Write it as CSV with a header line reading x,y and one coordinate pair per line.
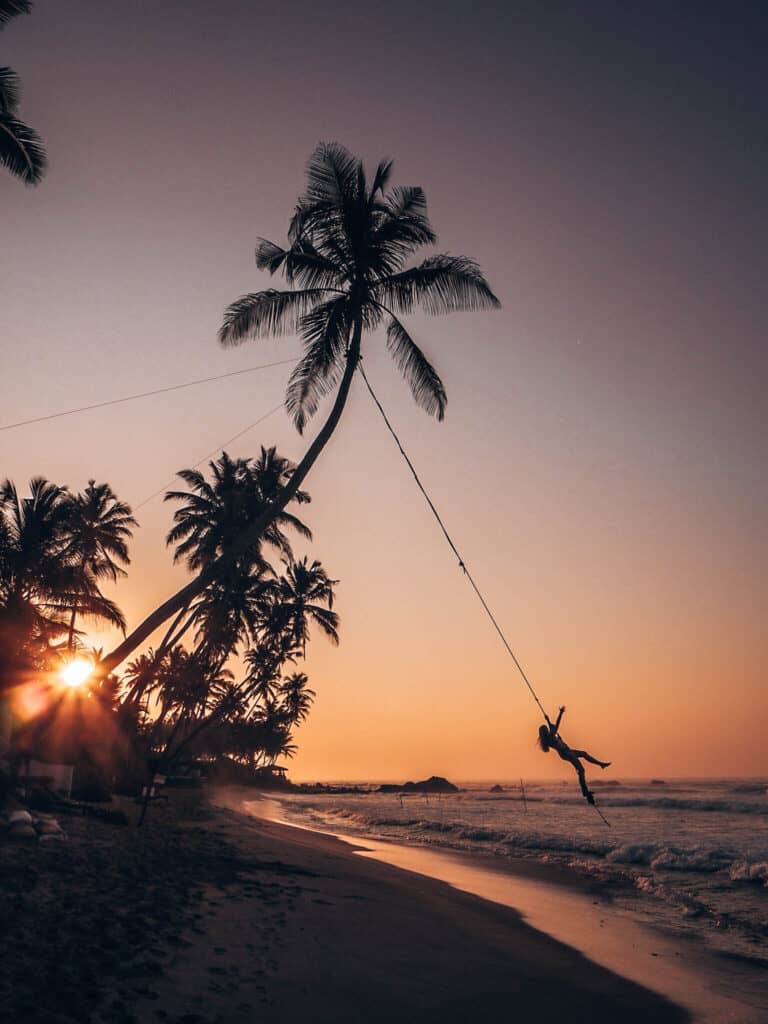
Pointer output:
x,y
206,915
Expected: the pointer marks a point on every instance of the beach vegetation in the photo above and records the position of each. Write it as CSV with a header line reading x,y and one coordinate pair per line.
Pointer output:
x,y
217,686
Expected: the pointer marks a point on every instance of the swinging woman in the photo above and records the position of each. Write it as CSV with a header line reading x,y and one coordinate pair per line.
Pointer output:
x,y
550,738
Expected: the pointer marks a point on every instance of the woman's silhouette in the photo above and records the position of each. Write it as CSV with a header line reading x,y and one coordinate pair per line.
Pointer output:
x,y
550,738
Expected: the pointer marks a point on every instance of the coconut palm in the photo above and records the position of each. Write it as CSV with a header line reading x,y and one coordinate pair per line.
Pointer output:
x,y
39,579
215,515
21,149
346,265
211,518
304,590
100,527
297,698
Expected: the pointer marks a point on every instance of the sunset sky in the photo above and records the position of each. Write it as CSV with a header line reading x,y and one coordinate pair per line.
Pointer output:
x,y
602,462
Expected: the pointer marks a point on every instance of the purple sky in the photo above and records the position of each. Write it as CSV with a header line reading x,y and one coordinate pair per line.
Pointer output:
x,y
603,459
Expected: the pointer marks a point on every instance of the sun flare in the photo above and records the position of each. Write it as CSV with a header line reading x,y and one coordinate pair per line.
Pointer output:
x,y
75,672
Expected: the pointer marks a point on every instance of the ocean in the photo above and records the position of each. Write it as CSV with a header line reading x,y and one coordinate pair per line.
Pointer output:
x,y
687,856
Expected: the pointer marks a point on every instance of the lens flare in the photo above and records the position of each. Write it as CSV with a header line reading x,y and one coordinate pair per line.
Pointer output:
x,y
75,672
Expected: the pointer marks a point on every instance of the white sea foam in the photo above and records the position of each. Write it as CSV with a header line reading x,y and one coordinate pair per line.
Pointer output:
x,y
743,871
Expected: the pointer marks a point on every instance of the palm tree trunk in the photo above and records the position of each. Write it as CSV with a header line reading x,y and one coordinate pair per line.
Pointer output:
x,y
198,584
71,639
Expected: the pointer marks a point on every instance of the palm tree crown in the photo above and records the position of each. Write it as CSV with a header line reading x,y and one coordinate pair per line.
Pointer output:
x,y
213,515
101,527
348,244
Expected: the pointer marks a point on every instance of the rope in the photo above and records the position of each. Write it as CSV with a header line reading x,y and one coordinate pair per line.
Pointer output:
x,y
455,550
605,820
142,394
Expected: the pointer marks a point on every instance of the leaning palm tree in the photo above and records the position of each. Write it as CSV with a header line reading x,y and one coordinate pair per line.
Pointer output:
x,y
21,149
346,263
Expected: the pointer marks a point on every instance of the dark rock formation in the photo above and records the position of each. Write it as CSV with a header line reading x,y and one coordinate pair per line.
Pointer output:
x,y
434,784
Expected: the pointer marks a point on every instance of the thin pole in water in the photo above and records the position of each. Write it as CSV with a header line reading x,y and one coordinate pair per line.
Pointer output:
x,y
525,802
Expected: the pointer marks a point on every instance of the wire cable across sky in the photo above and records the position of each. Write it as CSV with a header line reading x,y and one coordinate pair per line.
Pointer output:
x,y
214,451
145,394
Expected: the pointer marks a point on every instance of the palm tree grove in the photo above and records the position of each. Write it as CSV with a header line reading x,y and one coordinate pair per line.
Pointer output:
x,y
220,685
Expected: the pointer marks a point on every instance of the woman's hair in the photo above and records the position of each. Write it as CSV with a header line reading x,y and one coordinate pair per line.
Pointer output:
x,y
544,738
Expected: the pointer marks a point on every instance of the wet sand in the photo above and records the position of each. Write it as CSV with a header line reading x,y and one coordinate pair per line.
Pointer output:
x,y
207,915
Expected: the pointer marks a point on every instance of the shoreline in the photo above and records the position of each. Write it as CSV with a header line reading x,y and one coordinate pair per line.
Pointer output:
x,y
579,912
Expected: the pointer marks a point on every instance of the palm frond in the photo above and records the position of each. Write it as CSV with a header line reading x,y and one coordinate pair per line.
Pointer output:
x,y
402,225
261,314
9,90
96,606
12,8
326,330
423,379
332,173
21,150
300,263
440,284
381,177
269,257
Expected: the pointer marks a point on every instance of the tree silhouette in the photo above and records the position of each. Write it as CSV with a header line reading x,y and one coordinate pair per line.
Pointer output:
x,y
41,578
296,696
100,527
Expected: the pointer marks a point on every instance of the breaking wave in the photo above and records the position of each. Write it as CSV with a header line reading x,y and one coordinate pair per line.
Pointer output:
x,y
670,803
659,857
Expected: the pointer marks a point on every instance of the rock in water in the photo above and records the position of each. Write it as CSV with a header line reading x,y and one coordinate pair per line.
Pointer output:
x,y
434,784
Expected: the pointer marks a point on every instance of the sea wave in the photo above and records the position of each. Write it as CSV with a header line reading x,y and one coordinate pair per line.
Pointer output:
x,y
671,858
744,871
668,803
658,857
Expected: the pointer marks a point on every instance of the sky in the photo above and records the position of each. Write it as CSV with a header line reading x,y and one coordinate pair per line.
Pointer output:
x,y
602,461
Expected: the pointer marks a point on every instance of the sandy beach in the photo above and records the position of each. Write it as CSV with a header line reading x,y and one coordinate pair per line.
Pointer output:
x,y
207,915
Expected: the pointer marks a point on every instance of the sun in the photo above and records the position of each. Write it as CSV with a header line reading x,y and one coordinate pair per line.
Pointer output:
x,y
75,672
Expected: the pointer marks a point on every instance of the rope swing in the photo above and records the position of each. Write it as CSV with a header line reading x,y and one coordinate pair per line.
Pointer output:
x,y
461,562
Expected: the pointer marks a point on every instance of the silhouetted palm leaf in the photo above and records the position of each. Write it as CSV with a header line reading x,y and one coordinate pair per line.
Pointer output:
x,y
9,90
21,150
441,284
12,8
263,313
427,388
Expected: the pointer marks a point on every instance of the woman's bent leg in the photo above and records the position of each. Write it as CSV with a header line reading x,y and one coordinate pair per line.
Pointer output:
x,y
582,779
